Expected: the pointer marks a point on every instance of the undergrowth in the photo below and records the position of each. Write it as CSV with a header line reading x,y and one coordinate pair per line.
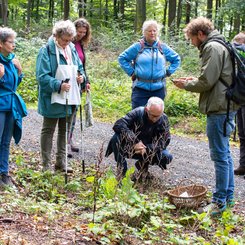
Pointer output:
x,y
111,213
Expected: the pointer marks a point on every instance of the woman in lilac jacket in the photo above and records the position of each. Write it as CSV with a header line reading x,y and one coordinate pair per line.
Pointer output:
x,y
145,61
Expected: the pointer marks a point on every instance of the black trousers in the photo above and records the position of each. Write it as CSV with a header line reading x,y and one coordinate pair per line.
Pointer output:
x,y
123,149
241,133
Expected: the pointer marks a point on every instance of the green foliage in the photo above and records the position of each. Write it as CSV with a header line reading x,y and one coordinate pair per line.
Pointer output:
x,y
181,103
123,213
26,51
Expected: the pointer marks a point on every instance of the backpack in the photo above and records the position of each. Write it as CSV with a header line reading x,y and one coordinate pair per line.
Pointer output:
x,y
143,47
236,90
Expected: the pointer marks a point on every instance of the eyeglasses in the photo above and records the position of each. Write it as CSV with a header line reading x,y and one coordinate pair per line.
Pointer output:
x,y
66,40
11,42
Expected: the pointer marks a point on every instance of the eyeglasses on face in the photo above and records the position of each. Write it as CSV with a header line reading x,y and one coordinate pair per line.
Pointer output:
x,y
11,42
66,40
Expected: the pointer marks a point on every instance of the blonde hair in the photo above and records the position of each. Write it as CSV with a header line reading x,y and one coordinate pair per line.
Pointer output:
x,y
84,23
199,24
149,23
64,27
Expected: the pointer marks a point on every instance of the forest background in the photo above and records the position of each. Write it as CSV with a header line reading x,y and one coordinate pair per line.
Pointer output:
x,y
115,25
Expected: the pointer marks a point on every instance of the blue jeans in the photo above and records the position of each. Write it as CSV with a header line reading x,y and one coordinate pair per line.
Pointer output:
x,y
140,96
220,153
6,133
123,149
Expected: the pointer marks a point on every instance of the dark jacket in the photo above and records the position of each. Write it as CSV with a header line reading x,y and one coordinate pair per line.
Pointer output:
x,y
135,127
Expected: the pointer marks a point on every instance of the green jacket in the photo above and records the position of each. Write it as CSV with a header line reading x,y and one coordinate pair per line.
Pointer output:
x,y
215,63
46,67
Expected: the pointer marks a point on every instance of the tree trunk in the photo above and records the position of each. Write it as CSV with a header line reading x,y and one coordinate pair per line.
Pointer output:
x,y
165,17
121,7
106,13
140,15
172,17
237,24
188,12
28,20
196,7
115,9
66,9
179,14
209,9
51,10
81,7
4,12
37,12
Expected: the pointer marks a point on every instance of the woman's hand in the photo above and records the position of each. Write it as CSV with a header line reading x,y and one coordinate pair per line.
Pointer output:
x,y
65,87
2,70
87,87
17,65
80,79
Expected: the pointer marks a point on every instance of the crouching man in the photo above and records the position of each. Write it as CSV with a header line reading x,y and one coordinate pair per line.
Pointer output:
x,y
142,134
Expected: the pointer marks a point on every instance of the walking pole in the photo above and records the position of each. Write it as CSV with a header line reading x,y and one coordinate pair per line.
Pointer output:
x,y
81,126
66,135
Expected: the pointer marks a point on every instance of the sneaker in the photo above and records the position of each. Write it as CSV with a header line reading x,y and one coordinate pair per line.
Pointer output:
x,y
6,179
2,185
240,170
230,203
214,209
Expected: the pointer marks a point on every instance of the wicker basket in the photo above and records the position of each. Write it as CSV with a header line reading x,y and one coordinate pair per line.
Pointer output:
x,y
196,194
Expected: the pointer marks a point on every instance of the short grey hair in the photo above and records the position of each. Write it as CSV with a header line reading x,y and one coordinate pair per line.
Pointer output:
x,y
6,33
155,101
64,27
149,23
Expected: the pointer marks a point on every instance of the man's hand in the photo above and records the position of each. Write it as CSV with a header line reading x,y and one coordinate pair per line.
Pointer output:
x,y
140,148
181,82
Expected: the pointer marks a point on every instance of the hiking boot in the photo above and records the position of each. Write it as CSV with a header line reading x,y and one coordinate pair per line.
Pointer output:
x,y
214,209
74,148
63,169
240,170
47,167
6,179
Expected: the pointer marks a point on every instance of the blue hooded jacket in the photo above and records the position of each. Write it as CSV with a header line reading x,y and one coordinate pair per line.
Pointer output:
x,y
150,64
10,100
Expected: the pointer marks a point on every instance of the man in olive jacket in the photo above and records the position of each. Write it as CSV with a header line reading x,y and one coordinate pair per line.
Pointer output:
x,y
142,134
215,65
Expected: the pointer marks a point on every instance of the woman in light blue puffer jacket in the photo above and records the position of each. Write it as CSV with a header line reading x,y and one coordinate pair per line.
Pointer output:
x,y
146,63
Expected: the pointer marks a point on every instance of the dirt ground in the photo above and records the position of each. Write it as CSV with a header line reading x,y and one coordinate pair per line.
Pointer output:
x,y
191,156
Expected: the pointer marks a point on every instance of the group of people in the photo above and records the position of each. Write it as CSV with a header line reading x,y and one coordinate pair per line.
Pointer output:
x,y
142,134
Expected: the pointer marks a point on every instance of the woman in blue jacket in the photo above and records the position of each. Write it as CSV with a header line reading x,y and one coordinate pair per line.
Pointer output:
x,y
12,107
145,61
60,74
